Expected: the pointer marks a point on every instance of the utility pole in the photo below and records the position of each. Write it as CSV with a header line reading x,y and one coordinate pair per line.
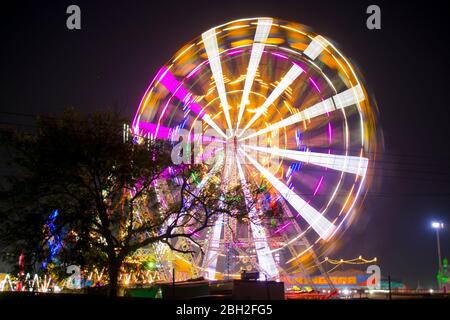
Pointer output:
x,y
173,283
439,257
437,226
389,284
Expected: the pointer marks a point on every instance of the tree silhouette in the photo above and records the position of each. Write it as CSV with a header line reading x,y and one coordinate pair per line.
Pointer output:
x,y
104,189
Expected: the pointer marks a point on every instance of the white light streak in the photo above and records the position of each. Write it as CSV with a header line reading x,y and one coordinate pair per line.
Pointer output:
x,y
212,50
314,218
350,164
287,80
265,258
342,100
213,248
316,46
213,125
262,31
349,97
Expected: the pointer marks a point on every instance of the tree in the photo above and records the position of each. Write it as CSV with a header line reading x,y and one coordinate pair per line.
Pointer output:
x,y
104,189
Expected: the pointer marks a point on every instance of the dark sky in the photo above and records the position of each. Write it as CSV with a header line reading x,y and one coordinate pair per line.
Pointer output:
x,y
45,67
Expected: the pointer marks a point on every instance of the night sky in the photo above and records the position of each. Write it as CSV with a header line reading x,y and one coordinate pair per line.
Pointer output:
x,y
109,63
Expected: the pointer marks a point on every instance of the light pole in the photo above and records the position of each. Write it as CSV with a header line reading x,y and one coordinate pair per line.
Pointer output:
x,y
437,226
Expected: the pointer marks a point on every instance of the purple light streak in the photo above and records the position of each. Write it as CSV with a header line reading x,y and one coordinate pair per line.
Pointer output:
x,y
161,132
175,87
234,52
330,133
314,84
318,186
279,55
283,227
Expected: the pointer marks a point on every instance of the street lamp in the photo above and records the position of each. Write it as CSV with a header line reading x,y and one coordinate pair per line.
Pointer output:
x,y
437,226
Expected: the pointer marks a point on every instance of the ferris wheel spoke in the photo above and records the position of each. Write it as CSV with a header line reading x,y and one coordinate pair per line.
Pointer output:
x,y
175,87
212,51
263,251
321,225
287,80
262,32
213,125
350,164
339,101
315,48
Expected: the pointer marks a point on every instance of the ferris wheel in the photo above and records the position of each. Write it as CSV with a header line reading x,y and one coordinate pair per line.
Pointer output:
x,y
288,114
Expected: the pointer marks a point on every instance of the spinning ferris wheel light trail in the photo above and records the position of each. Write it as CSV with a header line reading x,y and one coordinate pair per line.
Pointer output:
x,y
212,50
292,74
321,225
262,31
291,117
355,165
339,101
262,247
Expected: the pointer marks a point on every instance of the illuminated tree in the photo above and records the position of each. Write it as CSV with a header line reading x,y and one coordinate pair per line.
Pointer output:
x,y
103,188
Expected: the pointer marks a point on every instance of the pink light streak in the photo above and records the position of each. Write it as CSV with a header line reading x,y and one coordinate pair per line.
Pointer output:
x,y
314,84
234,52
283,227
301,67
193,233
176,88
330,133
161,132
196,70
318,186
279,55
158,74
157,131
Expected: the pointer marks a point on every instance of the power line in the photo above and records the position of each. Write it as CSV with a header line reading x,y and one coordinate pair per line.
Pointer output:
x,y
19,114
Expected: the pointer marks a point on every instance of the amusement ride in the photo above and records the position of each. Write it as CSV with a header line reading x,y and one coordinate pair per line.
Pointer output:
x,y
278,111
